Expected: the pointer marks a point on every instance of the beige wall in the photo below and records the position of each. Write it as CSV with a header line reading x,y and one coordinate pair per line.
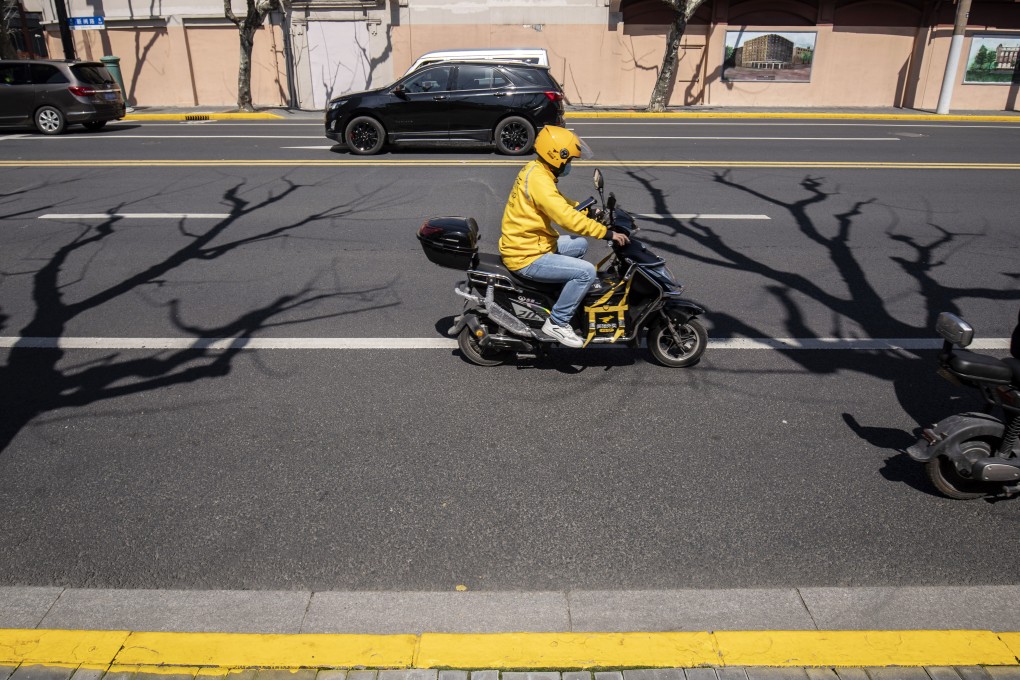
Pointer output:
x,y
185,64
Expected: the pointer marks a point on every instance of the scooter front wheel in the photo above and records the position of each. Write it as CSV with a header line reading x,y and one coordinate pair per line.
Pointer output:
x,y
683,348
947,480
468,344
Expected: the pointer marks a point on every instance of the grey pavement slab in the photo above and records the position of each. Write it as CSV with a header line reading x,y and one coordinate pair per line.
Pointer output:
x,y
409,674
25,607
485,675
531,675
199,611
929,608
942,673
700,674
654,674
577,675
453,675
776,674
688,610
608,675
731,674
41,673
898,674
5,671
331,674
418,612
1003,672
821,674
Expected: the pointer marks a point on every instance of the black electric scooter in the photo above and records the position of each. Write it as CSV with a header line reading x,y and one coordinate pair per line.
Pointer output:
x,y
974,455
635,296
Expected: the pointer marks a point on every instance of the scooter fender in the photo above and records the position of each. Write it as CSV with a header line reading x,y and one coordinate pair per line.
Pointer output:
x,y
944,439
466,319
682,310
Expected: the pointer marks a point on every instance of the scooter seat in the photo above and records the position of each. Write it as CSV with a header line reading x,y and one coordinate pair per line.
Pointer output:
x,y
493,264
980,367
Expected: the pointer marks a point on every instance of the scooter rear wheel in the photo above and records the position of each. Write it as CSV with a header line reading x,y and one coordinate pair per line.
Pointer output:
x,y
947,480
468,345
677,352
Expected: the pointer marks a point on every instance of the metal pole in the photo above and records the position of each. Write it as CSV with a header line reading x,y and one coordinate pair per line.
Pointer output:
x,y
955,48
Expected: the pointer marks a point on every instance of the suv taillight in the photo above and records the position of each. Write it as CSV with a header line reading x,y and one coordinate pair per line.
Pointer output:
x,y
554,96
80,91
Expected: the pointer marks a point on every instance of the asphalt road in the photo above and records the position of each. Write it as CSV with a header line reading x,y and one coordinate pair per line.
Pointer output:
x,y
409,469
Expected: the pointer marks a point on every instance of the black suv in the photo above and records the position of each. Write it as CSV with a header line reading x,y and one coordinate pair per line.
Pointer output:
x,y
54,94
487,102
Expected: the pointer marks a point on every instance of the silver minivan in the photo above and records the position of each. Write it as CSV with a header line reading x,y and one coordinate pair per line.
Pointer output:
x,y
52,94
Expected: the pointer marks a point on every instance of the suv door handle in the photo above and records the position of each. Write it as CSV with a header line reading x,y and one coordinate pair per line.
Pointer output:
x,y
439,97
501,94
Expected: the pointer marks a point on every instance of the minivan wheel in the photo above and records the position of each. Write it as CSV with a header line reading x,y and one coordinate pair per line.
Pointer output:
x,y
50,120
95,125
514,136
365,136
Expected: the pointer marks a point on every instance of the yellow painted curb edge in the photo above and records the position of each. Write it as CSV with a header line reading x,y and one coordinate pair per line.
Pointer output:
x,y
552,651
797,115
202,116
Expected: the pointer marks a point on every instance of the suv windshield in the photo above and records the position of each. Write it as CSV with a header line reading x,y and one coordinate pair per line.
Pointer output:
x,y
92,75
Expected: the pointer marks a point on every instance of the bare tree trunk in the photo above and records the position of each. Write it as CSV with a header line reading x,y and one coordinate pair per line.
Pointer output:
x,y
683,10
244,102
7,9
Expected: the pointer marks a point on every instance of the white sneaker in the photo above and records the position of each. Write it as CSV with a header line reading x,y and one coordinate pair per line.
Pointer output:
x,y
564,334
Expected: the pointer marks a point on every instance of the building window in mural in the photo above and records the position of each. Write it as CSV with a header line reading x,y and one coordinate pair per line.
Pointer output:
x,y
993,59
769,56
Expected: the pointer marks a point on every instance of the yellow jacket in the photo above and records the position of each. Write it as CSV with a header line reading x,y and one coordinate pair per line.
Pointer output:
x,y
534,204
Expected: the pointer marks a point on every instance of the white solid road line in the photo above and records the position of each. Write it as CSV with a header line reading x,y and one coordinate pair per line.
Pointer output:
x,y
444,343
699,216
760,139
134,216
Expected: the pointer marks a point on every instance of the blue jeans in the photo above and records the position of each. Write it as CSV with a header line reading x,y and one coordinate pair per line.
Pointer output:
x,y
565,266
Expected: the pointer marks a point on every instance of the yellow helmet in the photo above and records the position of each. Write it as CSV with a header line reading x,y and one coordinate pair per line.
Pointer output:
x,y
557,146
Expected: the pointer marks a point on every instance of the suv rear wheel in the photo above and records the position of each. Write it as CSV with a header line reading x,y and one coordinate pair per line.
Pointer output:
x,y
514,136
50,120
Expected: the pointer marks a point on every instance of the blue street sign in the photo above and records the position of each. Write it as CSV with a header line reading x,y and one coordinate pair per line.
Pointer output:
x,y
83,23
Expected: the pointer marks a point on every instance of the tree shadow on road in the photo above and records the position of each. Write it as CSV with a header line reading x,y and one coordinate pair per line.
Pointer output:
x,y
35,380
859,308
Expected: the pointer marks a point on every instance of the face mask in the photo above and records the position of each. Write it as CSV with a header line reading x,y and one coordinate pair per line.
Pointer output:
x,y
566,170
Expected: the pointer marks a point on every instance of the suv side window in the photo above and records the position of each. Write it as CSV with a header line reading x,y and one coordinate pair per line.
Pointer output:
x,y
45,74
478,77
14,74
535,77
434,79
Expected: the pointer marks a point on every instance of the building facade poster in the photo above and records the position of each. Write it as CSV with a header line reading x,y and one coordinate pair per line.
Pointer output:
x,y
780,56
993,59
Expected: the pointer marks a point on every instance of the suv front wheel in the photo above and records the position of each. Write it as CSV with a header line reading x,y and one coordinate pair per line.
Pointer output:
x,y
514,136
364,136
50,120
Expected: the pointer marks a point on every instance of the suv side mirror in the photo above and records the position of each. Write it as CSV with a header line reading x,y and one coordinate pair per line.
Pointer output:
x,y
400,91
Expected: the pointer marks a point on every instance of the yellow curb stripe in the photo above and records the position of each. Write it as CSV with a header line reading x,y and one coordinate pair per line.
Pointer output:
x,y
59,647
567,650
795,115
832,165
232,650
202,116
215,654
1012,641
863,648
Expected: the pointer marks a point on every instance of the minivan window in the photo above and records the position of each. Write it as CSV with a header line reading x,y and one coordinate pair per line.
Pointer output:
x,y
478,77
45,74
14,74
92,75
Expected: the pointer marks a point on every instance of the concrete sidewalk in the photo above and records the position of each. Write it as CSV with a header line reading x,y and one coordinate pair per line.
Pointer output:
x,y
912,633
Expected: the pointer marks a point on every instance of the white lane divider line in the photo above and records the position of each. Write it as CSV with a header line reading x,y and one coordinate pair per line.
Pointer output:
x,y
698,216
760,139
444,343
134,216
314,148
